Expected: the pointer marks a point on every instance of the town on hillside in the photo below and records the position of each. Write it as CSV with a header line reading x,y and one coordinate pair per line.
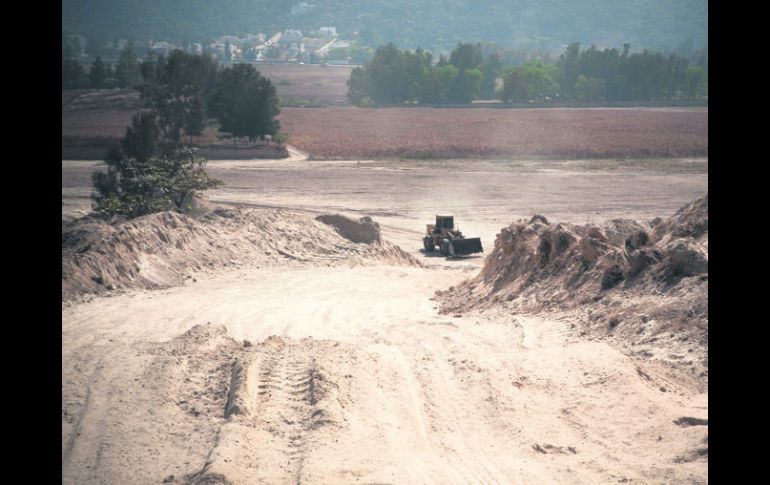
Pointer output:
x,y
289,46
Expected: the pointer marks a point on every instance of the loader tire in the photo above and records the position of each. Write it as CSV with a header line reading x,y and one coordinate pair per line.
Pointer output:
x,y
445,247
428,243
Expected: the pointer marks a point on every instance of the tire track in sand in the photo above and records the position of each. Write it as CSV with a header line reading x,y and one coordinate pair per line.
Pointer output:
x,y
276,407
288,389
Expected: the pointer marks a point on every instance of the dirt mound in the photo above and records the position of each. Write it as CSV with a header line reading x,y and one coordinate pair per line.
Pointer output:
x,y
691,221
164,249
365,230
619,232
626,278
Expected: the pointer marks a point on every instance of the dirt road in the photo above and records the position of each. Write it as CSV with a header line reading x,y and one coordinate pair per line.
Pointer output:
x,y
350,374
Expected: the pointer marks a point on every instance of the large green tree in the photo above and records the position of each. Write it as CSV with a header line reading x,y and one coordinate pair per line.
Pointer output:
x,y
466,56
245,102
127,70
386,76
174,86
196,121
569,70
98,73
358,87
72,73
145,176
394,77
515,86
466,86
491,70
696,82
589,88
437,83
531,81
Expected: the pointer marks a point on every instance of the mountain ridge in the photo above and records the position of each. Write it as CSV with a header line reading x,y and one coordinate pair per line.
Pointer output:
x,y
436,25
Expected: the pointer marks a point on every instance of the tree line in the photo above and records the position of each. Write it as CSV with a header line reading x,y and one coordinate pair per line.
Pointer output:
x,y
151,169
100,75
395,76
184,90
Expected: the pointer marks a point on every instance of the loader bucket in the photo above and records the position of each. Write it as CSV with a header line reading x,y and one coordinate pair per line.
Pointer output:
x,y
460,247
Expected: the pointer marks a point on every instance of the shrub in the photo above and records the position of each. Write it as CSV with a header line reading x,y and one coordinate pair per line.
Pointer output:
x,y
143,176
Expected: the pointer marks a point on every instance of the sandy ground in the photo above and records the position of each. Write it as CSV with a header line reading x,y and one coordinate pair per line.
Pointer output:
x,y
349,374
403,196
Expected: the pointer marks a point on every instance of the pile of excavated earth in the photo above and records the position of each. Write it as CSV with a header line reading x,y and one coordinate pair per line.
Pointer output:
x,y
163,249
645,284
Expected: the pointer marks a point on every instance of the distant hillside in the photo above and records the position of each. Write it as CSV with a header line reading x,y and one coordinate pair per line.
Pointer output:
x,y
432,24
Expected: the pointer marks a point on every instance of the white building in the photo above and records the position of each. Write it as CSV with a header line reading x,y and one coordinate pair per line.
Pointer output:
x,y
162,48
327,32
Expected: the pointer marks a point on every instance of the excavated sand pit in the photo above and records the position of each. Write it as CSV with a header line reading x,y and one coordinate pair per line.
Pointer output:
x,y
277,345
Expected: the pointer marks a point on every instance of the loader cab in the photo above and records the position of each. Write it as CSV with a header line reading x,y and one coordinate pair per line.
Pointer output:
x,y
444,222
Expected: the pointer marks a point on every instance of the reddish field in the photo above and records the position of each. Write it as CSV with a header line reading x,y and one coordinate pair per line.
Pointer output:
x,y
345,132
324,84
349,132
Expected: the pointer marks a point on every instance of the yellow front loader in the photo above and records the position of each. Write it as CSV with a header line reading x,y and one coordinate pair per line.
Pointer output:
x,y
448,240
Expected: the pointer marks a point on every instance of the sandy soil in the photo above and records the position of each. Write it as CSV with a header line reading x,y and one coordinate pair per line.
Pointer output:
x,y
350,374
403,196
